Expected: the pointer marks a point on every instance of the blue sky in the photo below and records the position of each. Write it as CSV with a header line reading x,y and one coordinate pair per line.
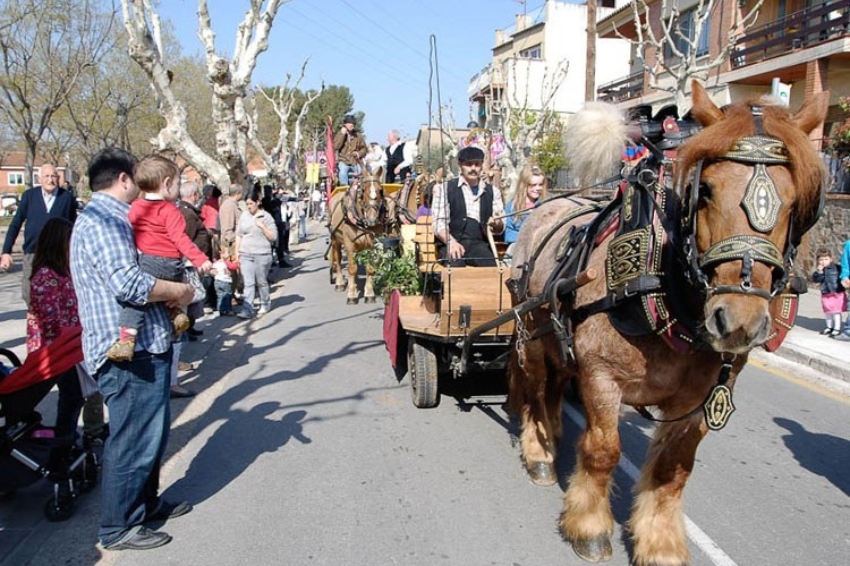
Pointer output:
x,y
379,49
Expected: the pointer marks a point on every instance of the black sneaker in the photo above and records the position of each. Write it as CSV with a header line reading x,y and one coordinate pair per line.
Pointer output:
x,y
143,539
826,331
168,510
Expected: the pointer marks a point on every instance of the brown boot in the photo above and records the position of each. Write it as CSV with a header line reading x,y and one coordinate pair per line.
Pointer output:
x,y
121,350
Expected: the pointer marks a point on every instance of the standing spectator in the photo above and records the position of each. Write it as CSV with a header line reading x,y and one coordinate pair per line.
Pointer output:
x,y
228,219
160,233
350,145
398,164
106,273
303,204
188,205
52,308
254,238
271,204
845,282
831,292
38,204
221,271
316,202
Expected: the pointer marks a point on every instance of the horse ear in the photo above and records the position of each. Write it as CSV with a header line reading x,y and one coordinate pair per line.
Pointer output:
x,y
813,112
704,110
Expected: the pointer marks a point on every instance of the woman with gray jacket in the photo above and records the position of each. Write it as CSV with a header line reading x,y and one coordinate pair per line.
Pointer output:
x,y
255,236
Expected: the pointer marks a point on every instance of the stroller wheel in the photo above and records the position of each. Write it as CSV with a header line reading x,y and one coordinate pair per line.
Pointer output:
x,y
59,508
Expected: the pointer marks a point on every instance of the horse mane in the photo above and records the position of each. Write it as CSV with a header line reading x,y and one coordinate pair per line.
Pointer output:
x,y
711,143
595,138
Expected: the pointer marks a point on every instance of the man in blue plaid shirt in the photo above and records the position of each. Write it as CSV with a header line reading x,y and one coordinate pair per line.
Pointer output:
x,y
106,273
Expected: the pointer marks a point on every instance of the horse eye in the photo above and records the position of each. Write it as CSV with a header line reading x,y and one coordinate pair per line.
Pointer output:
x,y
705,191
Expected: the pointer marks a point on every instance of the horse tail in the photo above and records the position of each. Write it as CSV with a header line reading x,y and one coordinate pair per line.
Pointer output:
x,y
596,137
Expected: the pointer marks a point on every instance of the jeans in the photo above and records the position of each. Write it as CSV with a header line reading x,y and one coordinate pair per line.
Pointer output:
x,y
344,168
302,227
255,272
137,396
225,296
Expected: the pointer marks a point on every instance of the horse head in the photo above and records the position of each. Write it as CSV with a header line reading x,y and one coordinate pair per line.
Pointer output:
x,y
751,185
370,199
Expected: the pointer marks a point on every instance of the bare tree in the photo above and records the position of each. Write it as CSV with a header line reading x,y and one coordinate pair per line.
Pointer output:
x,y
669,50
524,125
43,53
230,79
283,101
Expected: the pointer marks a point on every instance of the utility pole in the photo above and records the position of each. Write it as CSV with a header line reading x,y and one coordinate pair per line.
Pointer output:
x,y
590,65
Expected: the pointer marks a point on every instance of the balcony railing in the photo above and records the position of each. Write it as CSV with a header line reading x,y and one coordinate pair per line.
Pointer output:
x,y
799,30
624,88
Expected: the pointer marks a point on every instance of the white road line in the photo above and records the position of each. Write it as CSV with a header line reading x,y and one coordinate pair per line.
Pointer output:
x,y
696,534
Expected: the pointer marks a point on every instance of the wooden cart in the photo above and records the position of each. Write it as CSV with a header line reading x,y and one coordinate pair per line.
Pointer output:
x,y
455,327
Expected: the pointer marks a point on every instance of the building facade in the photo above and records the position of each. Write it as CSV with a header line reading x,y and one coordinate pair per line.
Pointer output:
x,y
526,58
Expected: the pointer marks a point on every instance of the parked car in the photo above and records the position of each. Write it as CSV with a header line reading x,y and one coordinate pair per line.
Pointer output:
x,y
9,204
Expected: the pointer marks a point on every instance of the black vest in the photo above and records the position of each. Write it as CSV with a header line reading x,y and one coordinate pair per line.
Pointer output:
x,y
460,225
394,159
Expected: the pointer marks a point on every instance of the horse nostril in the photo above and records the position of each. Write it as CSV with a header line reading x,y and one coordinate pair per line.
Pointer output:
x,y
719,317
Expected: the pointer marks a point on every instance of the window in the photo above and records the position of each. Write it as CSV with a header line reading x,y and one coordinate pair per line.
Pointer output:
x,y
16,178
687,27
535,52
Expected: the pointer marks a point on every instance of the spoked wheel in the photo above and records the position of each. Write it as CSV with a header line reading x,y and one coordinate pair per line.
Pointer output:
x,y
422,365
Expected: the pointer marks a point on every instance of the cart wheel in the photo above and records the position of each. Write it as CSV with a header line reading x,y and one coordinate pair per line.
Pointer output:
x,y
60,509
422,365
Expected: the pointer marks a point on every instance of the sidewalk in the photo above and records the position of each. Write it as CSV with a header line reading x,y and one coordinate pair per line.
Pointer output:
x,y
806,346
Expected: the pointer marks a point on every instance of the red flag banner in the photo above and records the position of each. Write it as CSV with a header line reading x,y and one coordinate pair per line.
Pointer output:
x,y
330,154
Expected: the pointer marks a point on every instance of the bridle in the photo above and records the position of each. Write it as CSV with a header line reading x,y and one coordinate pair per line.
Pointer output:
x,y
370,195
761,204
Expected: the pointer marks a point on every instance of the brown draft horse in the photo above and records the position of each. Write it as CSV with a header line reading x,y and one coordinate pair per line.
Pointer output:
x,y
746,188
410,196
357,215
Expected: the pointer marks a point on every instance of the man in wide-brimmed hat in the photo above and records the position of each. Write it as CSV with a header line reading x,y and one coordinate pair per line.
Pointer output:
x,y
462,208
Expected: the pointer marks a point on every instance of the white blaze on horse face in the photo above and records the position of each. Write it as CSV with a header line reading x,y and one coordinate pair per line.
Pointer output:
x,y
373,194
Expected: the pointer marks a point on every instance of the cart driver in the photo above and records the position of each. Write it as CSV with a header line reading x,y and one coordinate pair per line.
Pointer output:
x,y
462,208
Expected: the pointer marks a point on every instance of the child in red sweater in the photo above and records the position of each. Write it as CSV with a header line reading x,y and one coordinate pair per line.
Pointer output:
x,y
160,231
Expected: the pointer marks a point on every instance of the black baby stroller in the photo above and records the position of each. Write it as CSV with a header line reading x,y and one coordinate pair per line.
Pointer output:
x,y
28,450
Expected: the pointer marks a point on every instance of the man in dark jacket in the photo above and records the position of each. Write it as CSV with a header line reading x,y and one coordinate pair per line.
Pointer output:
x,y
189,205
351,147
38,205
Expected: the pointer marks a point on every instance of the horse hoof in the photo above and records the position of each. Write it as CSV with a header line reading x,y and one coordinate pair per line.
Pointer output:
x,y
340,288
369,300
542,473
352,301
593,550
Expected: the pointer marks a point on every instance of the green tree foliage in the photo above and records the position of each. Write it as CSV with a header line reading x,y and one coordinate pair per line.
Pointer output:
x,y
549,151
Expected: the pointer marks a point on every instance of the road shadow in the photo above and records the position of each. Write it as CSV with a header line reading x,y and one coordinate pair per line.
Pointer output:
x,y
235,445
810,323
823,454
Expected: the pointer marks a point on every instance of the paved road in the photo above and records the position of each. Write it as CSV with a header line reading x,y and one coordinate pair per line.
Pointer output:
x,y
302,448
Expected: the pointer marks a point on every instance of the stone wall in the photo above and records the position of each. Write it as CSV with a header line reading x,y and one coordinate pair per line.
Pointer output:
x,y
831,231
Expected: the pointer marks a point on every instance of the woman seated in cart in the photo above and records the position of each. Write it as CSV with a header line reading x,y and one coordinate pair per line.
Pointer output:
x,y
461,210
